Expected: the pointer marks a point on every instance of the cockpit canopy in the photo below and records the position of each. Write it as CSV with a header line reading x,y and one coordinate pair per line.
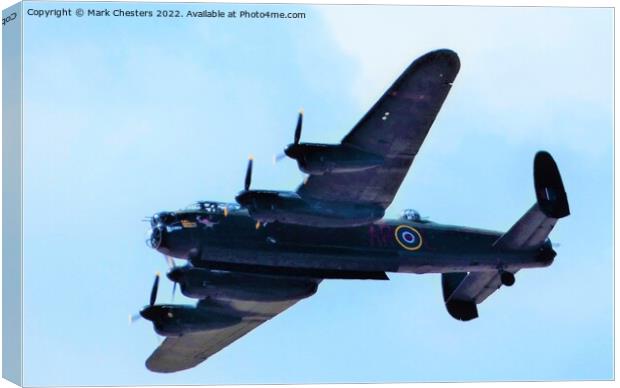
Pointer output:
x,y
212,207
411,215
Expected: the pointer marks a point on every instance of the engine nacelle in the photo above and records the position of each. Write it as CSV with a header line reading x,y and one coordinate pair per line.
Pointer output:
x,y
203,283
319,159
174,321
289,208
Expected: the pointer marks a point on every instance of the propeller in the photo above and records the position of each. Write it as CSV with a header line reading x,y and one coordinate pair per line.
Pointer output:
x,y
297,137
170,262
174,290
153,298
248,174
278,157
175,275
154,290
172,265
300,120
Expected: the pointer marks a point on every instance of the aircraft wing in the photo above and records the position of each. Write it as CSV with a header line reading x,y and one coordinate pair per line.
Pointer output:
x,y
394,128
184,352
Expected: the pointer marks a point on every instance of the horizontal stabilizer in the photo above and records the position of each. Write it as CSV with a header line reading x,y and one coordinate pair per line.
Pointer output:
x,y
529,232
463,291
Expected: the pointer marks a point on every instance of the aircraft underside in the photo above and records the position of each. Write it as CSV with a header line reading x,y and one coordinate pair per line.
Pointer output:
x,y
249,261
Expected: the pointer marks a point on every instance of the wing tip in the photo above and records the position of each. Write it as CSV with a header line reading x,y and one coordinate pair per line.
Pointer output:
x,y
445,59
152,365
442,55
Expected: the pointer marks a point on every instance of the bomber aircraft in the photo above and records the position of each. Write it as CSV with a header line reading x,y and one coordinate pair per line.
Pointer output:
x,y
251,260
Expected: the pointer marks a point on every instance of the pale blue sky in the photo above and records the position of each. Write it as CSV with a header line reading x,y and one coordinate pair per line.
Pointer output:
x,y
126,117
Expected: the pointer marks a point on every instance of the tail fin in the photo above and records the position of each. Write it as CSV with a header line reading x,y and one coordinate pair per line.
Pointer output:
x,y
550,193
463,308
534,227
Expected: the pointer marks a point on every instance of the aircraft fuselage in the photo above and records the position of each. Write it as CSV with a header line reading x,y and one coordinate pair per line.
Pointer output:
x,y
236,242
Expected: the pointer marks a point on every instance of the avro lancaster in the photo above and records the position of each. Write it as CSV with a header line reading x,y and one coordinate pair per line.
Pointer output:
x,y
251,260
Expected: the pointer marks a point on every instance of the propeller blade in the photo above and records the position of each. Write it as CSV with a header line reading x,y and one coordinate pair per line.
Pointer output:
x,y
170,262
174,289
248,175
154,290
134,317
278,157
298,128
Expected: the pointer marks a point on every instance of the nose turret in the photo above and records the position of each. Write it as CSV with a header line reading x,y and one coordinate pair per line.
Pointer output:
x,y
163,218
155,237
159,222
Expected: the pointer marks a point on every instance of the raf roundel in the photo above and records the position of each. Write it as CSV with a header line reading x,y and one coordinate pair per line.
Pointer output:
x,y
408,237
